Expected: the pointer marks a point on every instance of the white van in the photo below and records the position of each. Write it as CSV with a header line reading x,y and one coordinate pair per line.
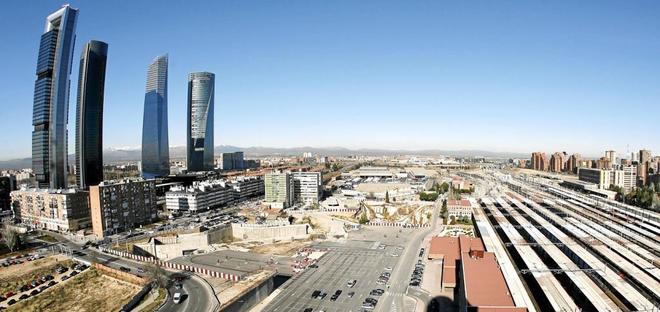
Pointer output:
x,y
177,297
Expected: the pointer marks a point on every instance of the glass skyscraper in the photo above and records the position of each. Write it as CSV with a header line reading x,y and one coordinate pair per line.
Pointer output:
x,y
155,144
201,89
89,114
51,99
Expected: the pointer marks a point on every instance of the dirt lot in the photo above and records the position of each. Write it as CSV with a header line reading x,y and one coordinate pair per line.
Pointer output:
x,y
14,276
281,249
89,291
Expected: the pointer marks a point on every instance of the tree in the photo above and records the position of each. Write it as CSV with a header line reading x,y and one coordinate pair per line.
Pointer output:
x,y
363,218
12,239
387,197
157,275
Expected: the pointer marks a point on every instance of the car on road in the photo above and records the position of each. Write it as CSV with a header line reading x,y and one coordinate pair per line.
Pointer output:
x,y
125,269
177,297
178,286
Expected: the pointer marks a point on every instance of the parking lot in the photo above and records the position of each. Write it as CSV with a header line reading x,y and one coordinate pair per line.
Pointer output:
x,y
362,261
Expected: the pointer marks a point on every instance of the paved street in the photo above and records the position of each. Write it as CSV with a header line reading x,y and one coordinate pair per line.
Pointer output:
x,y
391,301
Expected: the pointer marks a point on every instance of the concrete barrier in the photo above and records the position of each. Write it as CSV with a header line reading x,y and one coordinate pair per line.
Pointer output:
x,y
174,266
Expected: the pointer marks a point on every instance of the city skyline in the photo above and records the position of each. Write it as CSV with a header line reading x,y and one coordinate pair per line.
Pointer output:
x,y
435,81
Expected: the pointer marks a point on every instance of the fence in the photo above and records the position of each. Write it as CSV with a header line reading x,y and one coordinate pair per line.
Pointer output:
x,y
174,266
398,224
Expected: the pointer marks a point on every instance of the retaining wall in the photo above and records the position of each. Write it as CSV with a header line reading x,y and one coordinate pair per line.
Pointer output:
x,y
174,266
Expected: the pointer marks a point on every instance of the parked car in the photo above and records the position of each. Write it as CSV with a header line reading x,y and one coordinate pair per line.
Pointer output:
x,y
23,296
351,283
11,301
350,294
124,269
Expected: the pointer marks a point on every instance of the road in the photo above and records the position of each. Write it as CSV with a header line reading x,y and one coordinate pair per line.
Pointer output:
x,y
197,297
200,296
401,275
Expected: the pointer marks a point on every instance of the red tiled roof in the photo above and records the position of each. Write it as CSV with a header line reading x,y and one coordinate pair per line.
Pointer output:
x,y
484,283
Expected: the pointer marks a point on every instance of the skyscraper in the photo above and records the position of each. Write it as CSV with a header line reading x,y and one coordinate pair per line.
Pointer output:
x,y
51,99
201,89
89,114
155,144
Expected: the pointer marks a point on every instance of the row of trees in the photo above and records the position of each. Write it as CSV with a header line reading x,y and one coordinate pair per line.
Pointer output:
x,y
644,197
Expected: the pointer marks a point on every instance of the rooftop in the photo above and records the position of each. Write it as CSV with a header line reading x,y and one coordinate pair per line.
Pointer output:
x,y
484,283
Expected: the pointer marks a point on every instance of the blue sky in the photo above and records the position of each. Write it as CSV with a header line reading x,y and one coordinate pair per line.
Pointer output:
x,y
519,76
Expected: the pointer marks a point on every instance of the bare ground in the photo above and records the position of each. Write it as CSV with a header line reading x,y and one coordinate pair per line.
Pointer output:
x,y
87,292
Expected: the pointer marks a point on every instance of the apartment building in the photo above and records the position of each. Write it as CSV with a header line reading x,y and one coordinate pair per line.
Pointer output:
x,y
62,210
122,205
247,187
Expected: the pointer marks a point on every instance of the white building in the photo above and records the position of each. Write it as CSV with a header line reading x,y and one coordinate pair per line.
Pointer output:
x,y
247,187
307,187
200,196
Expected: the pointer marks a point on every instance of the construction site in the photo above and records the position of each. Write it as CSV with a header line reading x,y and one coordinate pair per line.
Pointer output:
x,y
560,250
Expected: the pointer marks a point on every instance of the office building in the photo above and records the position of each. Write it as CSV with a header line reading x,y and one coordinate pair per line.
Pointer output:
x,y
595,176
155,142
89,114
557,162
51,99
7,185
62,210
201,196
279,189
539,161
232,161
119,206
307,187
201,89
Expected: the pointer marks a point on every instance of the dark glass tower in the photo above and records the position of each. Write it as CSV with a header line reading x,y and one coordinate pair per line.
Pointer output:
x,y
155,145
51,99
201,87
89,114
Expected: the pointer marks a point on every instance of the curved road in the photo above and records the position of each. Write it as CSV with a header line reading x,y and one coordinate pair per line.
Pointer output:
x,y
200,296
197,297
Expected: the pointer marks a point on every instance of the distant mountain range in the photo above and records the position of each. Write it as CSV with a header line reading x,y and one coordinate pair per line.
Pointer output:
x,y
111,155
